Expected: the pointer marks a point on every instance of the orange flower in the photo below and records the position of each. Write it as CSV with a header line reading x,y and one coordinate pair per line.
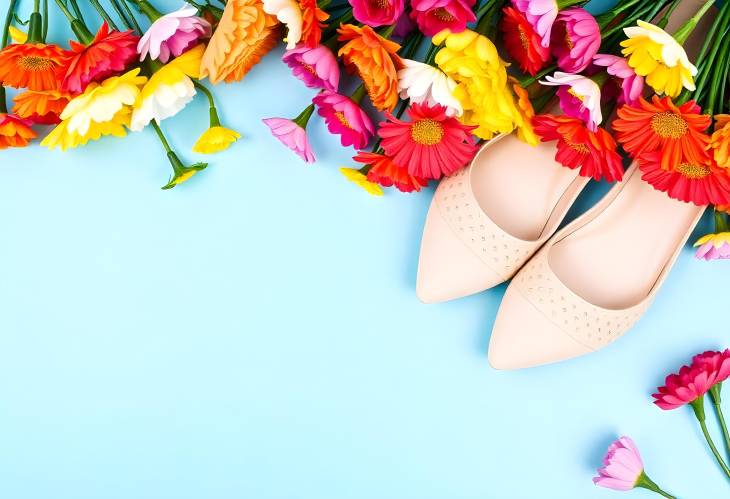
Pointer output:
x,y
15,131
35,66
244,35
375,60
384,172
41,106
720,142
314,18
675,131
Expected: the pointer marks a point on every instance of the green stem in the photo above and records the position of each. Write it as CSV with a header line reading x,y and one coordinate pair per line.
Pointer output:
x,y
35,28
721,225
77,25
387,31
77,11
431,54
214,119
304,116
161,136
564,4
5,40
529,81
358,94
104,14
121,14
647,483
698,406
148,10
716,402
686,29
130,15
665,18
45,19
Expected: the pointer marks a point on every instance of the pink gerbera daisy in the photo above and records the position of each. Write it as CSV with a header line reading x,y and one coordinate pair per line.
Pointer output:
x,y
345,118
432,144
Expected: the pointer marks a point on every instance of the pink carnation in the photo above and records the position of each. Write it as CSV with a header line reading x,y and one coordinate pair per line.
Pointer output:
x,y
344,118
622,466
691,383
377,13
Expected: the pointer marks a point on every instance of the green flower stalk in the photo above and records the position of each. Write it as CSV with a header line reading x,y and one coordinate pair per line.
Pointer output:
x,y
180,172
216,138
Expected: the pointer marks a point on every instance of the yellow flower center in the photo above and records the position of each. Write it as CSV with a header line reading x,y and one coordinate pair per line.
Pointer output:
x,y
574,94
693,171
523,38
309,68
566,37
578,147
35,63
341,118
379,4
427,132
443,15
669,125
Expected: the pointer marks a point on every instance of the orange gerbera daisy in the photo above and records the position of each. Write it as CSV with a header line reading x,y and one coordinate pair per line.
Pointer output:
x,y
41,106
676,131
594,153
313,24
244,35
15,131
720,141
375,60
35,66
384,172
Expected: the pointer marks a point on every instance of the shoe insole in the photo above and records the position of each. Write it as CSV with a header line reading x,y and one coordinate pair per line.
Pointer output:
x,y
615,259
519,186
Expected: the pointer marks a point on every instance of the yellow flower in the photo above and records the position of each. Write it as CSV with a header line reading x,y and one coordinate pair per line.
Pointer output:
x,y
713,246
16,35
181,173
215,139
656,55
359,179
168,90
482,86
103,109
525,131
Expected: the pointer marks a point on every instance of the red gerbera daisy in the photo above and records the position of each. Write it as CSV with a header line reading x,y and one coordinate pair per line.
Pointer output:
x,y
578,147
313,22
430,145
675,131
521,41
35,66
386,173
698,182
15,131
42,107
107,54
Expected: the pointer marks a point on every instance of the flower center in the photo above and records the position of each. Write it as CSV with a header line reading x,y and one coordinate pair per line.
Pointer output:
x,y
443,15
309,68
575,94
693,171
578,147
524,40
567,39
379,4
341,118
427,132
35,63
669,125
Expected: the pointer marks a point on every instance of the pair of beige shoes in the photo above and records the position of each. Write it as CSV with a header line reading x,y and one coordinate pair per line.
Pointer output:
x,y
573,291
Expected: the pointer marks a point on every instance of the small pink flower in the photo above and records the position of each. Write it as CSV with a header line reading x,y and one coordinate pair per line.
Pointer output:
x,y
690,384
345,118
717,364
316,67
580,97
576,38
541,15
622,466
376,13
714,246
632,85
433,16
172,34
292,135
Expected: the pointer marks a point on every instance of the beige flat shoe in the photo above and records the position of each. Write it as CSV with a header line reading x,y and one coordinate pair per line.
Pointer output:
x,y
597,276
594,279
486,221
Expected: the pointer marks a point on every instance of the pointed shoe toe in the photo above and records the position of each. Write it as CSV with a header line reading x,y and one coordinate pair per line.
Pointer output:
x,y
447,268
523,336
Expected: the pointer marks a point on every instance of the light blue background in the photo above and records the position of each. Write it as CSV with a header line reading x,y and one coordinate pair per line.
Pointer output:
x,y
255,334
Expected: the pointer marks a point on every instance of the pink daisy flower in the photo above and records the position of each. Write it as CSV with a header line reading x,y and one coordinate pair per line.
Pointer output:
x,y
622,466
345,118
433,16
432,144
317,67
541,14
172,34
632,85
576,38
292,135
377,13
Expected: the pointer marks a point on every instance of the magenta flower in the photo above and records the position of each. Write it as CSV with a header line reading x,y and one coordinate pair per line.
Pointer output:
x,y
622,466
580,97
541,15
317,67
433,16
292,135
576,38
404,26
714,246
717,364
687,386
632,85
172,34
377,13
345,118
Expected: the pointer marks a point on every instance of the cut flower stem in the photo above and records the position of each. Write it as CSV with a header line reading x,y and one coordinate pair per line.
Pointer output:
x,y
699,410
645,482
